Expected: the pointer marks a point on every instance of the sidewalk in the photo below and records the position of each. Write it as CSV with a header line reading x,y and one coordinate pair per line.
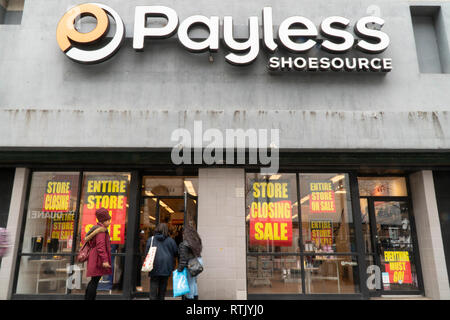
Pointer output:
x,y
400,298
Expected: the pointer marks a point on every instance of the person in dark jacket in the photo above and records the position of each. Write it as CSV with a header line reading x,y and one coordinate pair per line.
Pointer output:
x,y
163,264
191,247
99,260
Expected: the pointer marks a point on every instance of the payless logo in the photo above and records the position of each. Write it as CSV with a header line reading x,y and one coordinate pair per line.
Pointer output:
x,y
73,43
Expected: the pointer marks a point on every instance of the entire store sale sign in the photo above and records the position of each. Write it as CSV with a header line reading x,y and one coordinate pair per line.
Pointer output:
x,y
322,197
109,192
270,213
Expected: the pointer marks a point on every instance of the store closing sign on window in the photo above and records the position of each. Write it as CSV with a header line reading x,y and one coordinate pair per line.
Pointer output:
x,y
271,213
109,192
57,202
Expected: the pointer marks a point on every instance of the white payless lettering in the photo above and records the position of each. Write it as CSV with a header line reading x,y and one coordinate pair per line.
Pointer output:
x,y
251,46
326,64
285,32
362,31
141,31
211,43
337,39
269,43
327,29
274,63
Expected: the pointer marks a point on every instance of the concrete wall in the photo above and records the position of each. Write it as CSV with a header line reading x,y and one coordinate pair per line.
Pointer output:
x,y
429,236
221,225
46,100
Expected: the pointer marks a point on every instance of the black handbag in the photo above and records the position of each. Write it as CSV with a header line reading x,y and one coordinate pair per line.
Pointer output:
x,y
195,267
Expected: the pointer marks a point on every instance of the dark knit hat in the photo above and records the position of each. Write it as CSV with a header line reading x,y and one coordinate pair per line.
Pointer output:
x,y
102,215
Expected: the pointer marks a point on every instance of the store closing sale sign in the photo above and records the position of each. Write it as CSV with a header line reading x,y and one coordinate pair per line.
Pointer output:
x,y
271,213
109,192
57,204
57,196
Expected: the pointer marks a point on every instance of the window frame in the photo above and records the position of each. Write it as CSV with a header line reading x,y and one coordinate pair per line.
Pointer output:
x,y
372,224
129,242
363,293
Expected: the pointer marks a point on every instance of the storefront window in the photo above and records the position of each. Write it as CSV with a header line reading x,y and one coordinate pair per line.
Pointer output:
x,y
43,275
274,274
48,254
327,222
331,274
272,213
49,230
382,186
109,190
278,260
169,186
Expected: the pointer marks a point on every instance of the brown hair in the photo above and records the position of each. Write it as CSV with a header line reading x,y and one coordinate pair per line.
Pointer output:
x,y
191,236
163,229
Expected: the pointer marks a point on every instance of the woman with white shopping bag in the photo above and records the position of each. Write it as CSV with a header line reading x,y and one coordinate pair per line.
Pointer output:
x,y
163,260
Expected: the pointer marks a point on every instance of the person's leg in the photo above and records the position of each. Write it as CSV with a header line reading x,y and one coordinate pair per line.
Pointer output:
x,y
190,280
194,288
154,287
162,287
91,289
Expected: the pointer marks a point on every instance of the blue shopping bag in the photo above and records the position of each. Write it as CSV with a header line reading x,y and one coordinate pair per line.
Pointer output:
x,y
180,283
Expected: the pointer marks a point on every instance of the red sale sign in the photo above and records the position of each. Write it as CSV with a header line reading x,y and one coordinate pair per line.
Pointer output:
x,y
109,192
398,266
271,214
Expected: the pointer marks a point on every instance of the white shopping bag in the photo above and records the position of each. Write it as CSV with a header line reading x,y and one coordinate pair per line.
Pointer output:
x,y
148,262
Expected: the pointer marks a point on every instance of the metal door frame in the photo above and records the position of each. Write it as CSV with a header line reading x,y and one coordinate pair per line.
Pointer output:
x,y
184,197
375,247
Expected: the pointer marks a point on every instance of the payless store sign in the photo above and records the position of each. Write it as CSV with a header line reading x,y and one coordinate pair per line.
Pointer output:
x,y
297,34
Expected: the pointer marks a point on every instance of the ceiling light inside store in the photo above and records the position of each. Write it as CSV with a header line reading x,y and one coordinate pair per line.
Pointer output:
x,y
165,206
337,178
190,187
275,177
161,203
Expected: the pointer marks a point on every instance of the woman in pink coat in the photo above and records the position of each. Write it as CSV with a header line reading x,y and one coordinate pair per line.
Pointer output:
x,y
99,260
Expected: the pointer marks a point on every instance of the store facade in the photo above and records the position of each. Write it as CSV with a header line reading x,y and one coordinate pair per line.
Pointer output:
x,y
348,115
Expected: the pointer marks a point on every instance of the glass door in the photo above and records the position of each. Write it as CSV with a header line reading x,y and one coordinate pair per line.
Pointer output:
x,y
191,210
164,199
155,210
395,252
393,265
